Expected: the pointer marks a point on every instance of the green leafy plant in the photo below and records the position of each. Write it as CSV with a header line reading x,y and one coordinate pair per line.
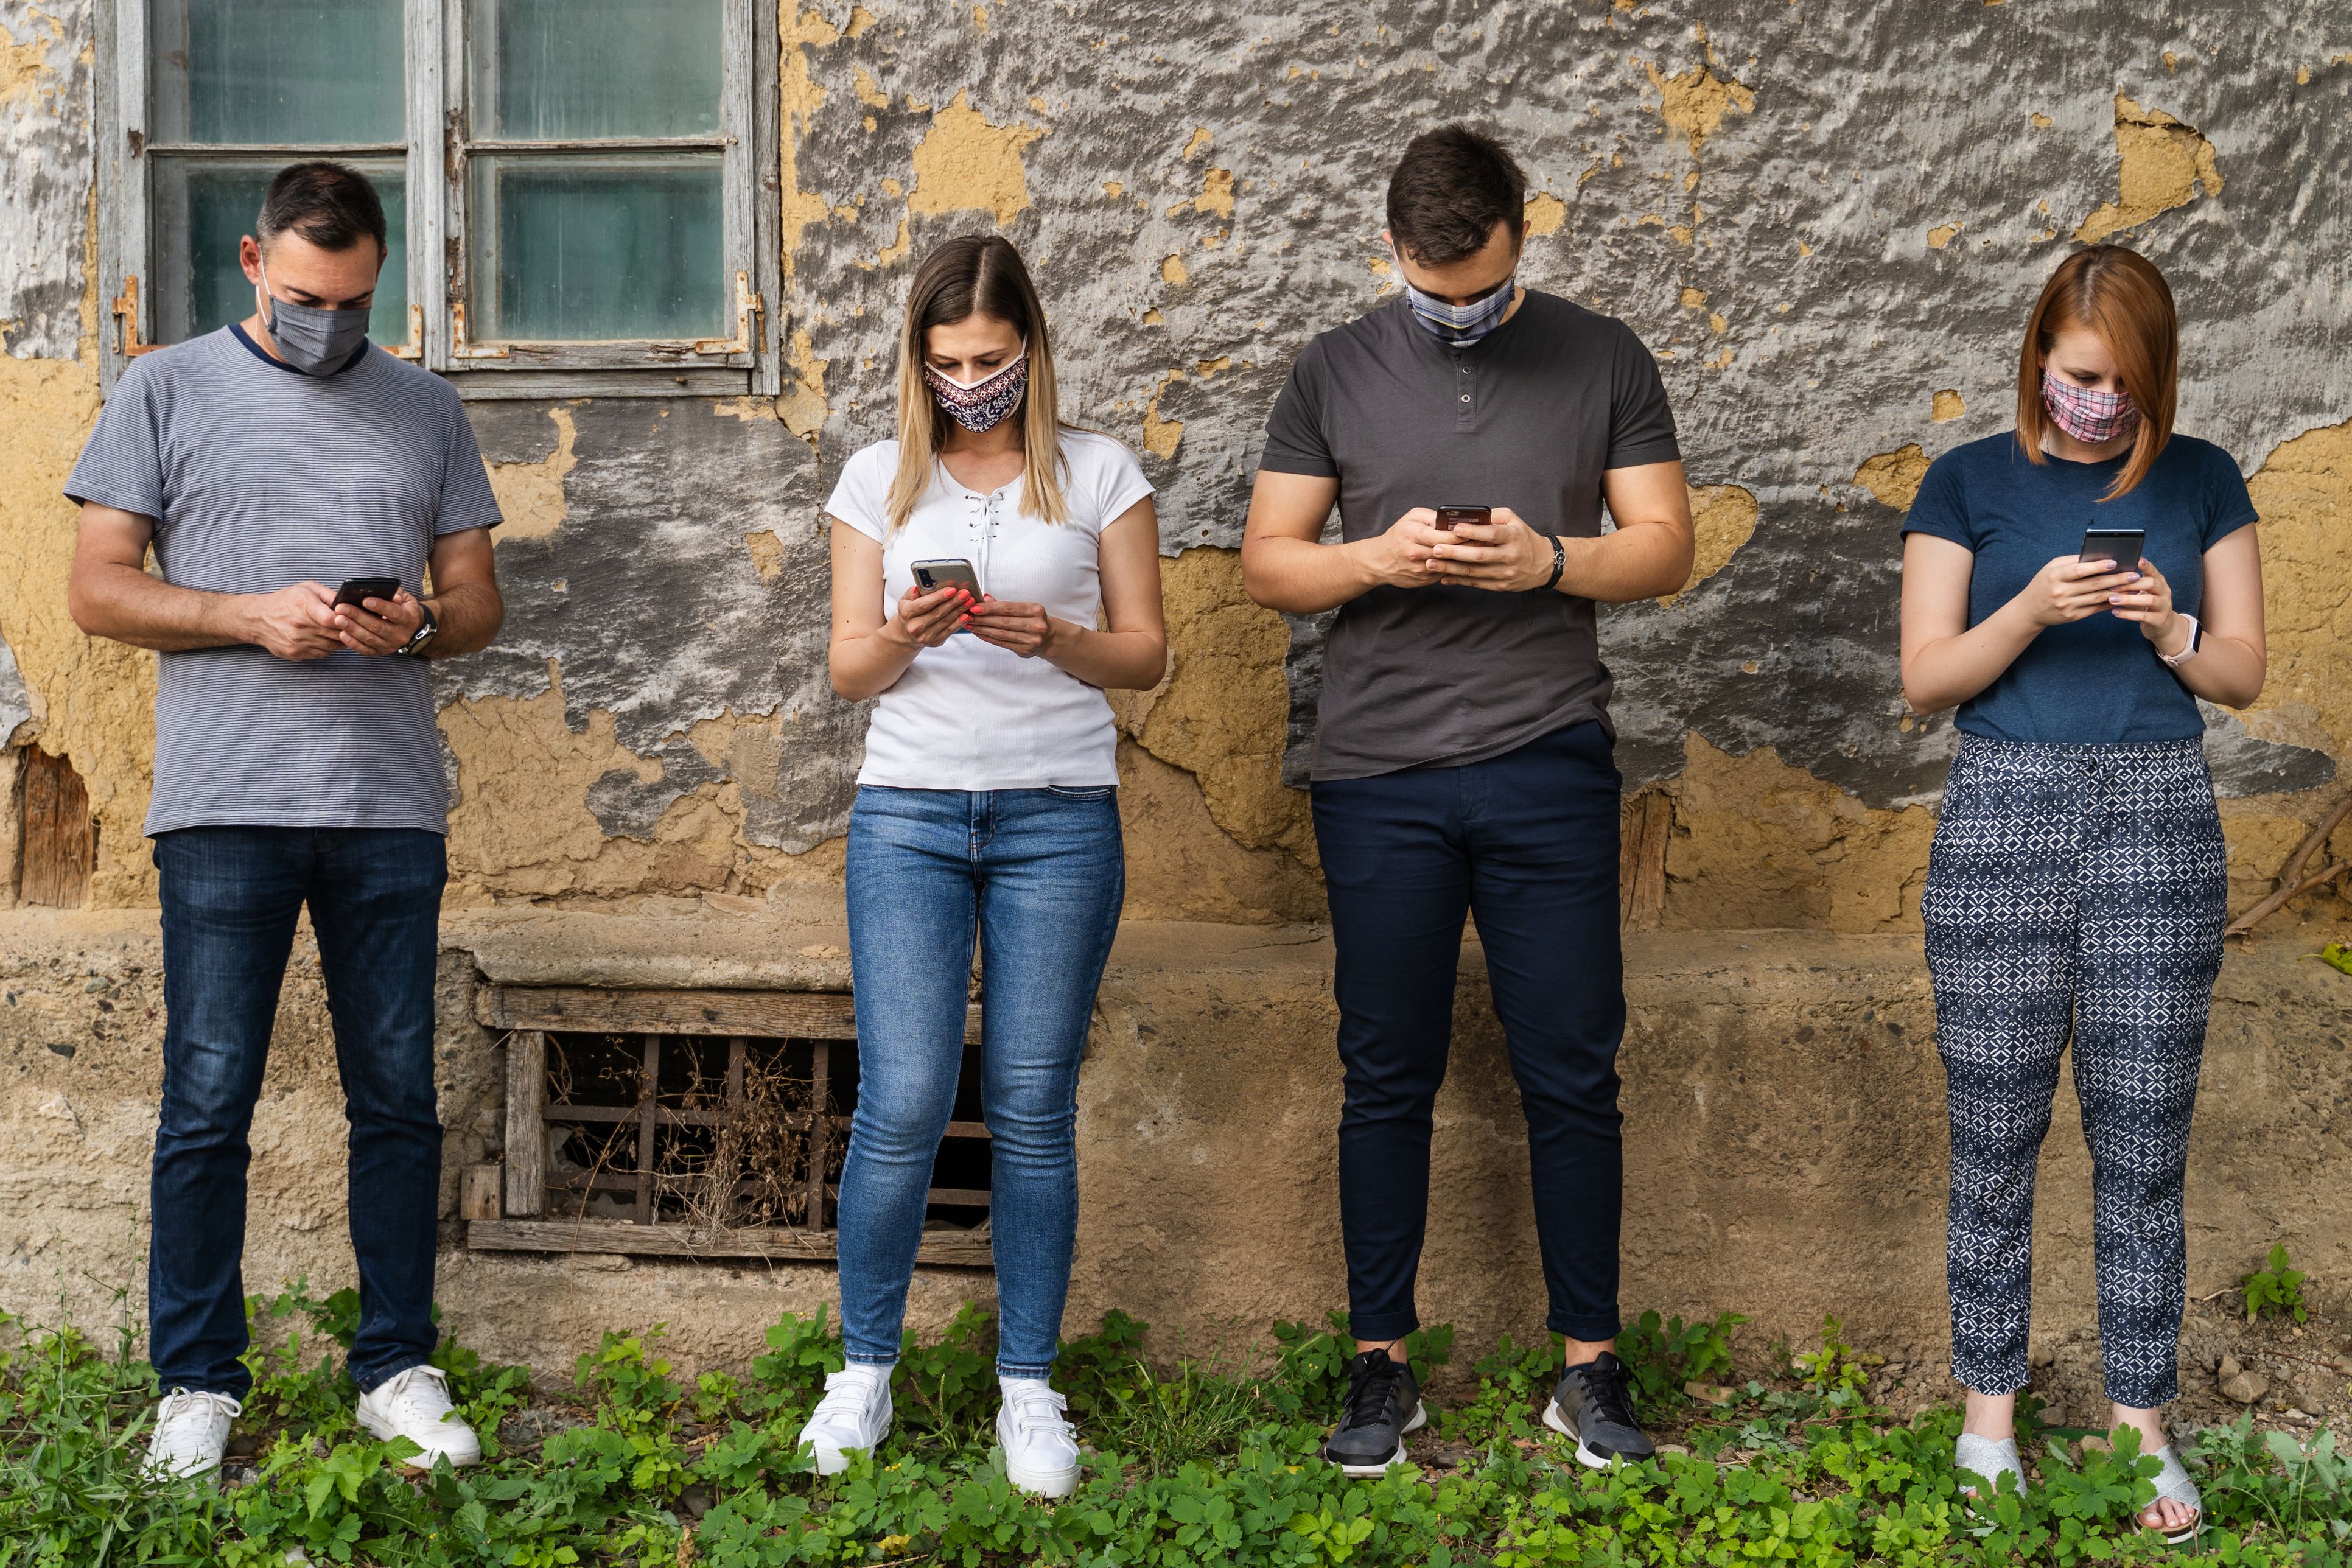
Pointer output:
x,y
1837,1369
2277,1288
1663,1355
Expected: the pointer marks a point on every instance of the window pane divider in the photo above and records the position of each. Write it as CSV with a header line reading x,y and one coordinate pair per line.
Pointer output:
x,y
598,144
278,149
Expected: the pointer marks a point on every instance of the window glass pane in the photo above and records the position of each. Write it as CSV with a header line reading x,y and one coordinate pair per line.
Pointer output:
x,y
319,73
570,70
581,248
205,206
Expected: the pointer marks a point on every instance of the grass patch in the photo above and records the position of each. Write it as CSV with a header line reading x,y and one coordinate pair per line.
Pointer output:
x,y
1210,1460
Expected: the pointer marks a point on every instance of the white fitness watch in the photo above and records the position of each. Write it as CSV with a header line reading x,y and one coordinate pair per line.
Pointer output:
x,y
2195,641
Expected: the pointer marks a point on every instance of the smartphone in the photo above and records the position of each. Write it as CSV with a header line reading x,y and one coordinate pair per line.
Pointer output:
x,y
957,573
2123,546
355,589
1449,517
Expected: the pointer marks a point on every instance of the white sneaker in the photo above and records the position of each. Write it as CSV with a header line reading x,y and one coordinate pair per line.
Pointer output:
x,y
854,1416
1041,1448
191,1431
414,1404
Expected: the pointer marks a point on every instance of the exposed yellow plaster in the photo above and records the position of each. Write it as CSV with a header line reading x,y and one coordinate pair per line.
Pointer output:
x,y
767,553
869,92
1200,139
1217,193
1692,299
1172,271
531,494
802,96
1694,101
2165,164
1717,323
1160,436
1544,214
23,67
1113,189
965,163
2304,492
804,408
748,410
1947,407
1723,518
1943,234
860,18
1894,477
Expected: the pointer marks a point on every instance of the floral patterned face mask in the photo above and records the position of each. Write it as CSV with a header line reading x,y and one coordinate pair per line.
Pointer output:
x,y
2091,417
986,402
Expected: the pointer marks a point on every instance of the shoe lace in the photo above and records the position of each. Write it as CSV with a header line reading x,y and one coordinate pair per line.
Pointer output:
x,y
421,1391
185,1405
1369,1390
1609,1389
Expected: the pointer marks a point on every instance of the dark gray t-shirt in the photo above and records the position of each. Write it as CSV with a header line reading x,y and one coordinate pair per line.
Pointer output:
x,y
259,477
1528,417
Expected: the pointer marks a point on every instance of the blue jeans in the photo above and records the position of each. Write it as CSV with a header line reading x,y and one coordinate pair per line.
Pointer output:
x,y
1527,843
1041,874
231,896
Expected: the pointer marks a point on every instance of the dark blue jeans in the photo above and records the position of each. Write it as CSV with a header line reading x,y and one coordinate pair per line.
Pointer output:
x,y
1527,843
231,896
1040,873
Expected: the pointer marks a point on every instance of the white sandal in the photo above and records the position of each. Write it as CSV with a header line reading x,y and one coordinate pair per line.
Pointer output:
x,y
1987,1459
2172,1483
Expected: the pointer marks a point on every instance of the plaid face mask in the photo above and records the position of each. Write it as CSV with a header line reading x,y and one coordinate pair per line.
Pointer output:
x,y
1460,325
2091,417
985,401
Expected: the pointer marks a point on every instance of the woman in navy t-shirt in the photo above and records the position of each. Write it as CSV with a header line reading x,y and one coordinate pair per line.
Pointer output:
x,y
2078,878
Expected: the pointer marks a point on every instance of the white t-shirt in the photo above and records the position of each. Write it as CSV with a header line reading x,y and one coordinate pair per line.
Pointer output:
x,y
969,714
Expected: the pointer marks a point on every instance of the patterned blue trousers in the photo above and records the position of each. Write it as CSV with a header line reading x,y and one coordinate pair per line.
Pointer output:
x,y
2073,892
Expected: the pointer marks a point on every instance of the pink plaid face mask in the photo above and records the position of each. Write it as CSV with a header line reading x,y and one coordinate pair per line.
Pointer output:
x,y
2091,417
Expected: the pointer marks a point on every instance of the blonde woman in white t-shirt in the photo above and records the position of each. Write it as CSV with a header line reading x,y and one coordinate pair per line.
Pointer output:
x,y
988,805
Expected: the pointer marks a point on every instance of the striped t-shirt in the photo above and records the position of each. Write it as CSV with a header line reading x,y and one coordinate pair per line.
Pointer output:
x,y
258,476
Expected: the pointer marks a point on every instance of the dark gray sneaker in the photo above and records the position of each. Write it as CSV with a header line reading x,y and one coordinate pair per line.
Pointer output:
x,y
1595,1404
1383,1405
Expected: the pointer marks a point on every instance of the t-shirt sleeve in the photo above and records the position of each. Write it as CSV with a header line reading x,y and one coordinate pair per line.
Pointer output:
x,y
1295,443
861,496
2228,505
1641,424
1117,482
1941,506
121,464
466,499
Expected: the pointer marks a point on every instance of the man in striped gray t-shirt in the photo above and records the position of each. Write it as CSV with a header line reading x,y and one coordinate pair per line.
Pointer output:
x,y
270,464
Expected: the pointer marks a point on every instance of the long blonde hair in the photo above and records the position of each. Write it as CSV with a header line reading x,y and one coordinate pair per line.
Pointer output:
x,y
976,275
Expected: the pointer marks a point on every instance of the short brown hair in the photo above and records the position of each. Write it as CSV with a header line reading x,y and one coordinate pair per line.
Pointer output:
x,y
330,205
2120,295
1453,185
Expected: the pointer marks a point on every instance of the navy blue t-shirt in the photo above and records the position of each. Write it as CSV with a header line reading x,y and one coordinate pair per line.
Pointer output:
x,y
2095,680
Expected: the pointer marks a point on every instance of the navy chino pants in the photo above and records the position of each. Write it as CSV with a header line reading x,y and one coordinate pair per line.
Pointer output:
x,y
1527,842
231,896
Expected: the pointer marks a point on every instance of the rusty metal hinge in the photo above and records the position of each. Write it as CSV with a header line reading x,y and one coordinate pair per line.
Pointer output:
x,y
413,349
464,347
126,321
747,305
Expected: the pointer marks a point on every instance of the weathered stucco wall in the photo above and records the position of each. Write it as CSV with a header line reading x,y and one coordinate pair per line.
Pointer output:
x,y
1826,219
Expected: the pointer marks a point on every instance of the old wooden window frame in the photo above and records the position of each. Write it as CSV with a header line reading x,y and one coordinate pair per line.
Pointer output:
x,y
530,1012
437,154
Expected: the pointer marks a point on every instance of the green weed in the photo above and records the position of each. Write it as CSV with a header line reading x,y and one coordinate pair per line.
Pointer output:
x,y
2276,1290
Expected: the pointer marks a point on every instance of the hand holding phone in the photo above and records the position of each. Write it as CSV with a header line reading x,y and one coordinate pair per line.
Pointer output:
x,y
2123,546
1449,518
359,590
951,617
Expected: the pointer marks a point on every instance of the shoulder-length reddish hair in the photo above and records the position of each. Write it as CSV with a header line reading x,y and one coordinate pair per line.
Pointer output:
x,y
2121,296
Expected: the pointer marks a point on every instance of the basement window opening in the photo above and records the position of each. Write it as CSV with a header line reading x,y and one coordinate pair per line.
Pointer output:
x,y
697,1125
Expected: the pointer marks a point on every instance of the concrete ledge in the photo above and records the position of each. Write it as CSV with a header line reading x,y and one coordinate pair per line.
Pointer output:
x,y
1785,1130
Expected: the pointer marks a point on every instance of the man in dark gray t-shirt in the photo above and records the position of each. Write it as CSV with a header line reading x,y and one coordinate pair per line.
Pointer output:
x,y
297,485
1470,432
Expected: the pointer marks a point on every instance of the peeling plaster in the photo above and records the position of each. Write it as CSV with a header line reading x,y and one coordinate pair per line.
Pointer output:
x,y
44,151
531,494
1723,518
2166,164
965,165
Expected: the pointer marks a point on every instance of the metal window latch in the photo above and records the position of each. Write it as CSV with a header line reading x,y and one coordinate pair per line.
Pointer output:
x,y
126,321
747,305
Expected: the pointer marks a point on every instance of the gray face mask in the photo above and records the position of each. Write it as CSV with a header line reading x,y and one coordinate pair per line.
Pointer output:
x,y
313,340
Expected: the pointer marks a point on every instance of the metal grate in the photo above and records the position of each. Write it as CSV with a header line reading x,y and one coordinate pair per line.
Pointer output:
x,y
699,1123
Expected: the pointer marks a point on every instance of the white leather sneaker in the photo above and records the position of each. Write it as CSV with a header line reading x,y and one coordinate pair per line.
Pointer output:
x,y
414,1404
1041,1448
191,1431
854,1416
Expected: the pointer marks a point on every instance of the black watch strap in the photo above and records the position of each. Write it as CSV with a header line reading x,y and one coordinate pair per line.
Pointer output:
x,y
1558,562
423,633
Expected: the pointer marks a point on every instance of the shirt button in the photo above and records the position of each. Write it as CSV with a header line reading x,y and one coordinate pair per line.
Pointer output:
x,y
1465,370
1465,397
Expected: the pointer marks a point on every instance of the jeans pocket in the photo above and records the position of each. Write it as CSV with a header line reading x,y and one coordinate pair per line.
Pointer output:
x,y
1094,792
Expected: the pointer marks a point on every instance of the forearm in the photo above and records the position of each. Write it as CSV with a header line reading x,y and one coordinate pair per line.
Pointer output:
x,y
466,618
868,664
1114,661
1300,576
1948,671
127,606
1638,561
2225,672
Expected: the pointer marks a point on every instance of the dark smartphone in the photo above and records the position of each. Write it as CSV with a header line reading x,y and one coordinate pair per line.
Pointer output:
x,y
1450,517
2123,546
355,589
930,574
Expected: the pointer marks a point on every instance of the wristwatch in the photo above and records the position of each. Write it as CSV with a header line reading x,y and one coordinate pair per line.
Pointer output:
x,y
415,645
1558,562
2195,641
